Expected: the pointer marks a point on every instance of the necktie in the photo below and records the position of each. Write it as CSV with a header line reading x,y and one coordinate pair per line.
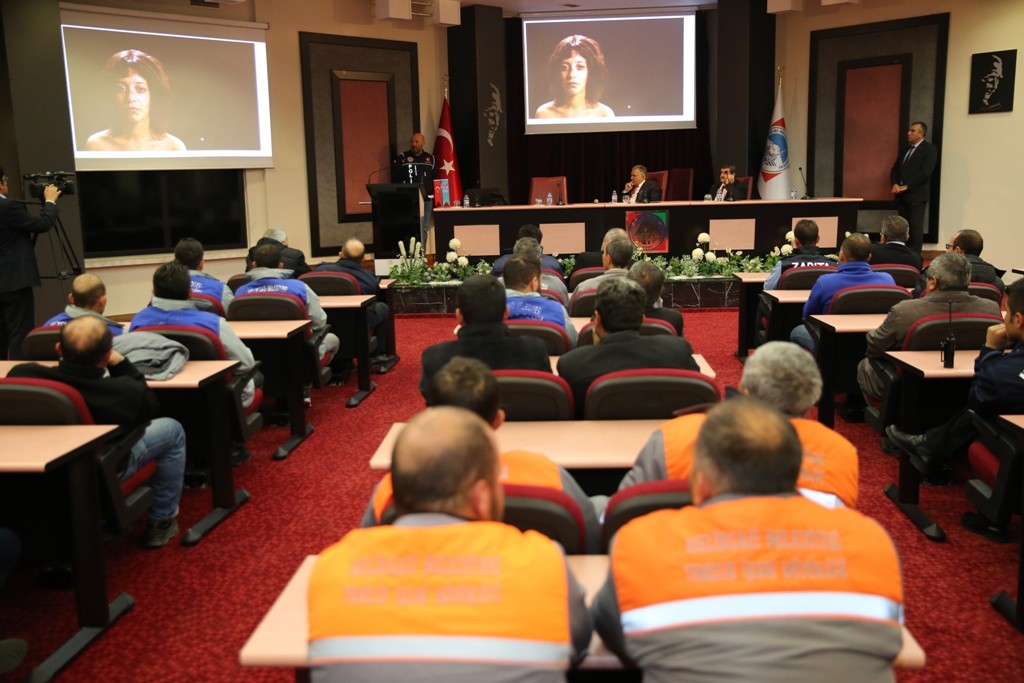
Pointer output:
x,y
909,152
720,197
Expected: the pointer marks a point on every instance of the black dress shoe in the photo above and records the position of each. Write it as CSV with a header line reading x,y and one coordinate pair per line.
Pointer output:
x,y
913,445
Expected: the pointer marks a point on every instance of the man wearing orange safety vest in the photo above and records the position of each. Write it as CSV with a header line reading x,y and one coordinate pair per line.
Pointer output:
x,y
785,376
447,591
753,582
468,383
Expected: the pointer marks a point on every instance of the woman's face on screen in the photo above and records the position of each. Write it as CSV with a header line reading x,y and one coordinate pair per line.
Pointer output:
x,y
574,74
133,97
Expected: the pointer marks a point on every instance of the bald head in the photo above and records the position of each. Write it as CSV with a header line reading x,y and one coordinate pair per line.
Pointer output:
x,y
85,341
416,143
613,234
446,460
353,249
856,247
89,292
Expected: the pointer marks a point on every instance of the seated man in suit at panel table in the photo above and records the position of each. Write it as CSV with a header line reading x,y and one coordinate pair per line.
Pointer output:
x,y
481,313
171,305
948,276
547,262
969,243
291,259
893,245
997,389
116,393
618,344
728,189
595,259
853,270
525,302
269,275
88,297
189,251
618,257
350,261
753,582
786,377
468,383
650,277
640,189
447,592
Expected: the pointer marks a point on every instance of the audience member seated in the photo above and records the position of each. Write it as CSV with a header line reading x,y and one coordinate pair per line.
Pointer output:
x,y
468,383
997,389
471,598
171,305
618,256
481,312
853,270
752,582
595,259
805,253
268,276
946,292
546,262
350,261
12,650
529,249
969,243
786,377
291,259
893,245
650,277
525,302
189,251
88,297
117,393
618,344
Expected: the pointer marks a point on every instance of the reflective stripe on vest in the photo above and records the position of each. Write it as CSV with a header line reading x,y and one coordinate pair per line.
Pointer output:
x,y
270,285
434,648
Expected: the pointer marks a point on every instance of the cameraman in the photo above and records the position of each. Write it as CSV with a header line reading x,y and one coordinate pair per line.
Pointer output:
x,y
18,270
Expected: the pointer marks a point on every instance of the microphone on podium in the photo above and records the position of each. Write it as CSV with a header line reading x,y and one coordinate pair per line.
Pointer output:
x,y
803,178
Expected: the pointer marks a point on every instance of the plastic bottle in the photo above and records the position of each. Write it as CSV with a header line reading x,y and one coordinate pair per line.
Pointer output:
x,y
550,200
792,193
615,197
465,201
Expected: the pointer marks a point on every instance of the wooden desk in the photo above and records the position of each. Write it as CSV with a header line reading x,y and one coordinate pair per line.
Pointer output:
x,y
39,449
349,313
702,363
281,638
278,345
787,311
929,395
840,348
1013,610
751,284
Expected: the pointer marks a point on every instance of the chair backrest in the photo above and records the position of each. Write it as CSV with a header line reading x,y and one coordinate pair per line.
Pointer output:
x,y
657,326
580,274
641,499
41,343
867,299
202,344
647,393
680,185
331,283
268,306
28,401
747,180
539,188
554,336
549,511
532,395
553,294
208,302
985,291
660,177
585,335
904,275
581,305
236,281
930,331
997,461
803,277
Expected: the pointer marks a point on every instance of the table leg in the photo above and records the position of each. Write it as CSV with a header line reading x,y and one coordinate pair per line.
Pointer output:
x,y
826,352
366,386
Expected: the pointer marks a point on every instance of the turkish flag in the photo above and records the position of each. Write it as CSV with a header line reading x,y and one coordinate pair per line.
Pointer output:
x,y
446,161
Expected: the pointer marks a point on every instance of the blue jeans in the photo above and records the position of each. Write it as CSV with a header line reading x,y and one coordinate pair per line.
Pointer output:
x,y
801,336
163,441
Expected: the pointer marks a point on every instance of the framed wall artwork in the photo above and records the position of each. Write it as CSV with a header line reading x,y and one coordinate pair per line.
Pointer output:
x,y
992,77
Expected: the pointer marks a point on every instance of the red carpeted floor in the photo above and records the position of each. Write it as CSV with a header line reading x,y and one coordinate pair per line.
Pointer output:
x,y
195,607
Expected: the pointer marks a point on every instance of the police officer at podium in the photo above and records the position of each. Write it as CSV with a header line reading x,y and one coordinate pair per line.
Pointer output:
x,y
416,166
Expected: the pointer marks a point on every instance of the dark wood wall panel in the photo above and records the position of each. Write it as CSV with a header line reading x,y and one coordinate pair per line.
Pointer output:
x,y
365,138
872,104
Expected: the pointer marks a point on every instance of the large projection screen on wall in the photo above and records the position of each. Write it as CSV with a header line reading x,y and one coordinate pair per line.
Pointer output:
x,y
149,92
616,73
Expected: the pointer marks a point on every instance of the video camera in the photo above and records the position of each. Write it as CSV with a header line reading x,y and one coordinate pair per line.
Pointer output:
x,y
38,182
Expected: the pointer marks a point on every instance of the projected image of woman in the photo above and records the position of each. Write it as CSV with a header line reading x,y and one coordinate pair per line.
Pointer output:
x,y
141,99
577,76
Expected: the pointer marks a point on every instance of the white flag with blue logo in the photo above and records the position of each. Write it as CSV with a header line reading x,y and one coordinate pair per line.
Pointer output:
x,y
773,179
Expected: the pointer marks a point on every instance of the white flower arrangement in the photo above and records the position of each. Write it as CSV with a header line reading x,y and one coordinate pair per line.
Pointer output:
x,y
710,257
790,236
703,238
787,249
454,244
463,261
451,257
697,254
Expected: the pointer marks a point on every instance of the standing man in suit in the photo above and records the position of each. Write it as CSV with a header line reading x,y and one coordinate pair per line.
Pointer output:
x,y
728,189
893,245
18,270
911,178
640,190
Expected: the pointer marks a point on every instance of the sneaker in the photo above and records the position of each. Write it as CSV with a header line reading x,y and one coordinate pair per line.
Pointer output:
x,y
307,397
12,654
159,532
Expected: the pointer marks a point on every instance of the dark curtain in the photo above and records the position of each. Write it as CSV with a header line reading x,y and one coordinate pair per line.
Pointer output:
x,y
594,164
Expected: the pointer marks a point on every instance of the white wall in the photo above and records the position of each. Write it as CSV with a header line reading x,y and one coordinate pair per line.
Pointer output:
x,y
982,155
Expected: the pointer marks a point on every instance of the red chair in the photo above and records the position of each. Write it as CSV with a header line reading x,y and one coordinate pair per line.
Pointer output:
x,y
986,291
540,187
531,395
236,281
904,275
549,511
747,180
554,295
580,274
661,178
554,336
208,302
639,500
995,489
585,337
331,283
867,299
582,304
680,185
646,394
41,343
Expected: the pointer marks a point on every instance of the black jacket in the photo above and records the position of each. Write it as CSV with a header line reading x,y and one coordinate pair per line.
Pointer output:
x,y
293,259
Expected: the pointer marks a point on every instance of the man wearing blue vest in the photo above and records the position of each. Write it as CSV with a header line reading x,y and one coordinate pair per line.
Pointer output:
x,y
524,300
189,251
268,276
88,297
171,305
